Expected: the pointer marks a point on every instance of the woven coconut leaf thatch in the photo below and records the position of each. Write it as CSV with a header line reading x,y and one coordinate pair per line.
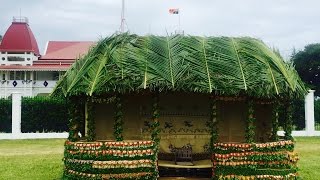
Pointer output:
x,y
217,65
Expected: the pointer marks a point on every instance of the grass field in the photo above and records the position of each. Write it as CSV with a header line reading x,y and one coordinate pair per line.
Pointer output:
x,y
42,159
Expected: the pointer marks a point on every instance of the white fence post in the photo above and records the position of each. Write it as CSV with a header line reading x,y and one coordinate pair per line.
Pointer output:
x,y
16,114
309,113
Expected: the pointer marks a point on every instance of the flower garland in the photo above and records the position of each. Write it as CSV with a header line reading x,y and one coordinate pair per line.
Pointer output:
x,y
110,160
230,98
122,164
91,134
250,129
225,148
273,160
88,176
286,177
118,124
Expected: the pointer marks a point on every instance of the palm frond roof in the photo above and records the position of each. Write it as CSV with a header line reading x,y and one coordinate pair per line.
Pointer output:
x,y
217,65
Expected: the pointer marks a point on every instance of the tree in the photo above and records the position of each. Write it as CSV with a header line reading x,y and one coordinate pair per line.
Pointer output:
x,y
0,38
307,63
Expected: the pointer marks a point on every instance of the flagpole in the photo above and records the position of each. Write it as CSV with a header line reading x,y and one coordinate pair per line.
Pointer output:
x,y
179,21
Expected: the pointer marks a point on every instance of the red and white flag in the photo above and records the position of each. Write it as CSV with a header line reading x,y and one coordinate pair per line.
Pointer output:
x,y
174,11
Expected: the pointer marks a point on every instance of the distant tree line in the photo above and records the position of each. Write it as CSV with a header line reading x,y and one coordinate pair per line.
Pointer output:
x,y
307,64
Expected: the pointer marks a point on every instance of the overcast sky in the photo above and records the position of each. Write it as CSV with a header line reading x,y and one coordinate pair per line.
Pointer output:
x,y
283,24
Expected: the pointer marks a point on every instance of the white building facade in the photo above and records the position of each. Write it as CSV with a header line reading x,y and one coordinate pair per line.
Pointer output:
x,y
24,70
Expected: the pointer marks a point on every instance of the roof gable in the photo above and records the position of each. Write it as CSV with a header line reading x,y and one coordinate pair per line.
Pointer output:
x,y
19,38
68,50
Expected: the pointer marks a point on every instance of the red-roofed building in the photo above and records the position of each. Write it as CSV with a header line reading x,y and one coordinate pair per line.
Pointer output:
x,y
23,69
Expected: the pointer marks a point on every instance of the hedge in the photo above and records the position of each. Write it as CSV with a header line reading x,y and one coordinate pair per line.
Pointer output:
x,y
38,114
5,115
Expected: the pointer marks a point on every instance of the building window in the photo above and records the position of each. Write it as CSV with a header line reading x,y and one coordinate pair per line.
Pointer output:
x,y
28,59
15,58
3,76
12,75
19,75
15,52
3,58
16,75
28,75
35,75
55,75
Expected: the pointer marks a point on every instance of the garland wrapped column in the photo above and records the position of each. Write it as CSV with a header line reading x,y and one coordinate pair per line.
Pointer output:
x,y
288,121
155,118
213,123
250,131
91,134
118,124
275,121
74,112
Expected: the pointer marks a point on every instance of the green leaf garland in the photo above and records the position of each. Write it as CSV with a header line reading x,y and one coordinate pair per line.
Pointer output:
x,y
118,124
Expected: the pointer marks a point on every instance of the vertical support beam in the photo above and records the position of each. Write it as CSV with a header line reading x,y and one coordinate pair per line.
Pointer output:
x,y
309,113
275,121
213,123
16,114
118,123
74,118
155,118
90,130
86,118
288,121
250,131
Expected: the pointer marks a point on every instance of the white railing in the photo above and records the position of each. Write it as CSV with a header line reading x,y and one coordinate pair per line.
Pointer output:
x,y
26,87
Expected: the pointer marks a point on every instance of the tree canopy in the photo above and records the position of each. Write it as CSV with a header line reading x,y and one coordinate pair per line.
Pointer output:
x,y
307,63
216,65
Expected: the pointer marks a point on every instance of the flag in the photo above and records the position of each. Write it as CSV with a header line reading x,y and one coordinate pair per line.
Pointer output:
x,y
174,11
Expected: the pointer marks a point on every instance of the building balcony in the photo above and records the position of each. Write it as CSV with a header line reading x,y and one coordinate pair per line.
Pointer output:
x,y
26,87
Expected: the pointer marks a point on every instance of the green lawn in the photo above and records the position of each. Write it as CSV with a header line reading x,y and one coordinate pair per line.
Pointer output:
x,y
31,159
308,149
42,159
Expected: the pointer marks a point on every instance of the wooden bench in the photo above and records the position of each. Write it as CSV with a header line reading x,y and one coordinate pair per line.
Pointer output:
x,y
183,155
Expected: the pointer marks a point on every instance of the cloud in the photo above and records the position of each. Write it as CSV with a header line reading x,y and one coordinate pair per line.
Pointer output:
x,y
283,24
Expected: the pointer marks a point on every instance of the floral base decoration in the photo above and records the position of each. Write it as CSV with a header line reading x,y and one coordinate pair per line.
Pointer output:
x,y
110,160
273,160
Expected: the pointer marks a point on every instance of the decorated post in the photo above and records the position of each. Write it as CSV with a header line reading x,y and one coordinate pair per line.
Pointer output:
x,y
288,121
118,122
91,130
250,130
275,121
